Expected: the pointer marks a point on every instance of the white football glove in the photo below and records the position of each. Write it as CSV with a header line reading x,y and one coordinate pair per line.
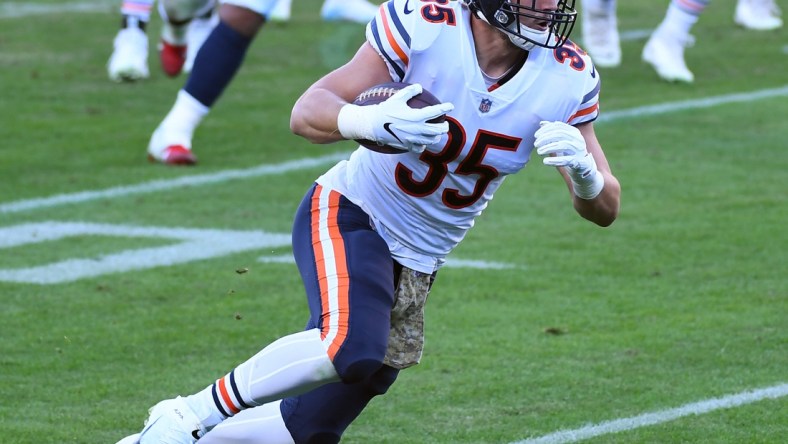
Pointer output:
x,y
392,122
563,146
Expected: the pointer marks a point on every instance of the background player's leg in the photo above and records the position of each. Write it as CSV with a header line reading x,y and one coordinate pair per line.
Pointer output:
x,y
600,32
758,15
215,65
178,16
665,48
129,59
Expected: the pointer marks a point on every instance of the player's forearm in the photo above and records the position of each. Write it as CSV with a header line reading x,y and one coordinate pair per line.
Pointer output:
x,y
314,116
602,209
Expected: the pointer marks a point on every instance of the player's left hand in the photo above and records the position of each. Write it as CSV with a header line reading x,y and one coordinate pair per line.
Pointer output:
x,y
562,145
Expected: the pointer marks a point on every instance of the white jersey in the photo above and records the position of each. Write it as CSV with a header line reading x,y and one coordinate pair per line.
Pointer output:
x,y
424,204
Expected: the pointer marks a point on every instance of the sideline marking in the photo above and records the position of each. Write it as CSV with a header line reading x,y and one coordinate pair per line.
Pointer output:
x,y
20,9
636,34
647,419
708,102
266,169
166,184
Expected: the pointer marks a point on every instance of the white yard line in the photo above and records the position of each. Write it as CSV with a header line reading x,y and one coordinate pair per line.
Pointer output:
x,y
184,245
161,185
24,9
658,417
708,102
267,169
635,34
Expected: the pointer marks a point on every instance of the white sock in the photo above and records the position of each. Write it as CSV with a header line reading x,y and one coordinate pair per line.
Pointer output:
x,y
259,425
289,366
185,115
681,17
282,8
139,9
608,6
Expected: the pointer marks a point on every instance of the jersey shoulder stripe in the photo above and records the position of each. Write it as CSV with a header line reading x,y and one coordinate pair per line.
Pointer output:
x,y
389,36
589,106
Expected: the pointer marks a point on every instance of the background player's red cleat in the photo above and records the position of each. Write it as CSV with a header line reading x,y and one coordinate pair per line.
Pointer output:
x,y
175,155
172,58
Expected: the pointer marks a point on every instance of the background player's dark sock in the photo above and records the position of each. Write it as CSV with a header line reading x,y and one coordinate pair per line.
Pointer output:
x,y
216,64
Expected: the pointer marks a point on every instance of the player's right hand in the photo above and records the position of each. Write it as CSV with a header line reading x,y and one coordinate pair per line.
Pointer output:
x,y
394,123
397,124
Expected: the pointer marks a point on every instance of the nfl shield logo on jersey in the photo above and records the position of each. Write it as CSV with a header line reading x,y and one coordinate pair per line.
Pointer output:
x,y
485,105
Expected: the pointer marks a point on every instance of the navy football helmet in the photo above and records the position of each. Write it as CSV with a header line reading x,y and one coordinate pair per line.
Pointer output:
x,y
507,16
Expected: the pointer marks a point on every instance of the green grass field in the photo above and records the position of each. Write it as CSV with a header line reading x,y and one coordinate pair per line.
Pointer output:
x,y
684,299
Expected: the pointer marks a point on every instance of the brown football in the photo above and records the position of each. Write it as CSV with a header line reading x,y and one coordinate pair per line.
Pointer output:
x,y
379,93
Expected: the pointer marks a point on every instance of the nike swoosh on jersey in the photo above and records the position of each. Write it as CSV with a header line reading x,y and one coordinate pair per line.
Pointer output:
x,y
388,130
407,11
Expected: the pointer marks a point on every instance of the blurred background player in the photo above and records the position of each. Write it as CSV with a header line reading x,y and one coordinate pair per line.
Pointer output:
x,y
355,11
664,50
218,61
600,32
187,24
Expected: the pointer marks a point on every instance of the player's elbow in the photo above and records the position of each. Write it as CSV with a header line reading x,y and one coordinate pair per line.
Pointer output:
x,y
305,125
602,210
296,126
607,219
604,217
300,127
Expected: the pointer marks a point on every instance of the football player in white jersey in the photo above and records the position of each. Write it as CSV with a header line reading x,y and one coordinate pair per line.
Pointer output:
x,y
371,234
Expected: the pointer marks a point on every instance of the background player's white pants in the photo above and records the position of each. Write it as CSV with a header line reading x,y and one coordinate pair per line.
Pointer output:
x,y
183,10
262,7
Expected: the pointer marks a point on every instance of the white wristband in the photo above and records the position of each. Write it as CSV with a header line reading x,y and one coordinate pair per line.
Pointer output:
x,y
353,122
588,187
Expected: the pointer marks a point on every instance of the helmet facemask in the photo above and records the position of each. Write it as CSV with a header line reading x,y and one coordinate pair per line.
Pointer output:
x,y
507,16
